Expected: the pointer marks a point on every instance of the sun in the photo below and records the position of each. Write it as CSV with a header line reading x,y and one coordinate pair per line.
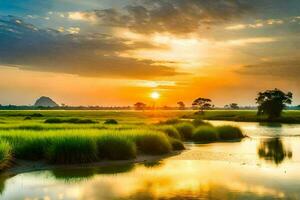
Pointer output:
x,y
155,95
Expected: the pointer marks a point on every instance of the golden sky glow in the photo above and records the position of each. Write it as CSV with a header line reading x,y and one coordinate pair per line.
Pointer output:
x,y
104,53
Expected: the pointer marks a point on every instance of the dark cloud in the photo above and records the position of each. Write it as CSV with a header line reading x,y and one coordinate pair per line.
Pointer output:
x,y
288,69
28,47
173,16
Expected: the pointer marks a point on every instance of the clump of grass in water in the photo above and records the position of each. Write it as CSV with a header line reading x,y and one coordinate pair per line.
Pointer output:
x,y
170,131
205,134
199,122
114,147
229,132
177,145
153,143
72,150
5,154
185,130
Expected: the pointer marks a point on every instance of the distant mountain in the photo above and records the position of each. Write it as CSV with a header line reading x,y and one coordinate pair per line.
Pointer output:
x,y
45,102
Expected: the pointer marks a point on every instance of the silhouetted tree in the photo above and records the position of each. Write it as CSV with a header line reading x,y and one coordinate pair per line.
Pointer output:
x,y
202,104
139,106
234,106
181,105
272,102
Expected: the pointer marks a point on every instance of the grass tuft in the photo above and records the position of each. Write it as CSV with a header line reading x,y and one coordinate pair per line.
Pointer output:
x,y
29,148
171,131
111,121
199,122
153,143
185,130
229,132
71,121
5,154
205,134
72,150
113,147
177,145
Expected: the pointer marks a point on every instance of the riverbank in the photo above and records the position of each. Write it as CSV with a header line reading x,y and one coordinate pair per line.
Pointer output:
x,y
288,116
25,166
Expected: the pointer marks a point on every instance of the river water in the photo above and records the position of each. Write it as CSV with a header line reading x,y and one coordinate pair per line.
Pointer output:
x,y
264,166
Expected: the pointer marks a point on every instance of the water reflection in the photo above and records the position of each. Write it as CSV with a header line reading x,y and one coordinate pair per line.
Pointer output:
x,y
171,179
273,150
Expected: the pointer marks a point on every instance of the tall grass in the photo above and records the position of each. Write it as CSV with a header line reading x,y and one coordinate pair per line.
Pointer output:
x,y
153,143
72,150
185,130
205,134
5,154
115,147
230,132
176,144
86,145
170,131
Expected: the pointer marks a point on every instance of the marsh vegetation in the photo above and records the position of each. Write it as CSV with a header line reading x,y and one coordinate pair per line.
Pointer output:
x,y
58,137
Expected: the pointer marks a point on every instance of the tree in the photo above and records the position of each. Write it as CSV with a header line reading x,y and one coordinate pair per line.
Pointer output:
x,y
202,104
181,105
234,106
272,102
139,106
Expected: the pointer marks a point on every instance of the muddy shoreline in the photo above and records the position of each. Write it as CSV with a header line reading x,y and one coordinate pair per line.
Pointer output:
x,y
22,166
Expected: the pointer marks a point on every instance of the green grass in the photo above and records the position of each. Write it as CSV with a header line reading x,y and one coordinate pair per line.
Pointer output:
x,y
85,145
153,143
73,137
205,134
229,133
115,147
72,150
288,116
111,121
5,154
71,121
170,131
177,144
185,130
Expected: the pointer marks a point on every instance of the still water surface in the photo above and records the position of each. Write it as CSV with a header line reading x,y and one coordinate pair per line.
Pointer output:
x,y
265,166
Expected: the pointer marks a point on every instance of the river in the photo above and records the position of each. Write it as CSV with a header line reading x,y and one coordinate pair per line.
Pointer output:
x,y
264,166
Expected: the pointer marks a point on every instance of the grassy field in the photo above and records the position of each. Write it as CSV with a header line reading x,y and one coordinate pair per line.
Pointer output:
x,y
288,116
70,137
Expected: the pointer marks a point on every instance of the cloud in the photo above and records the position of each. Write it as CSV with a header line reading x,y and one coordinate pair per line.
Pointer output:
x,y
257,24
288,69
172,16
28,47
246,41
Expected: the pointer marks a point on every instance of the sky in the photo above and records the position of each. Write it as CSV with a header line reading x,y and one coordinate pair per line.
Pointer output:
x,y
117,52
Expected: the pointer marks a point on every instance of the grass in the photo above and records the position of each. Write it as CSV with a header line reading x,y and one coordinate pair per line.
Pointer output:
x,y
177,145
85,145
153,143
71,121
5,154
72,150
74,137
185,130
205,134
170,131
111,121
229,133
114,147
288,116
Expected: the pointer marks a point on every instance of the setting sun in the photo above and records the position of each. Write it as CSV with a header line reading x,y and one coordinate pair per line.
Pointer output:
x,y
155,95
